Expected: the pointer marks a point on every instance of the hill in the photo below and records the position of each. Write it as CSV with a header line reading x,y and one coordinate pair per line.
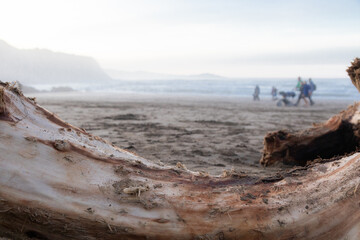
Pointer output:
x,y
41,66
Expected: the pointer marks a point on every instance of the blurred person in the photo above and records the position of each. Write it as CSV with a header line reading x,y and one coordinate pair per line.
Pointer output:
x,y
274,93
256,93
298,85
312,85
311,90
307,93
303,87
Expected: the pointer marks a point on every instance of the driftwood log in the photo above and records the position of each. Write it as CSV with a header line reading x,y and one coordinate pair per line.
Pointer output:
x,y
59,182
338,136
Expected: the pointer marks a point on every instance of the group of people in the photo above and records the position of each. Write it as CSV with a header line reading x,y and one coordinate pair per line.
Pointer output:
x,y
305,89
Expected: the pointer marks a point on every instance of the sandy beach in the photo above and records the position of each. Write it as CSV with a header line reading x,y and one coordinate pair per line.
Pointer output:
x,y
206,133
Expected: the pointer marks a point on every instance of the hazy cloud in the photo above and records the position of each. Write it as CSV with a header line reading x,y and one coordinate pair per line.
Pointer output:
x,y
322,56
175,36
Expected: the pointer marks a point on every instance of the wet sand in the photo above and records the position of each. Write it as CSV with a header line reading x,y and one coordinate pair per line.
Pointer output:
x,y
206,133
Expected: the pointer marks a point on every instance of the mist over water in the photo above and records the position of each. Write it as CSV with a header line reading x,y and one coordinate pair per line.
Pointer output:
x,y
45,69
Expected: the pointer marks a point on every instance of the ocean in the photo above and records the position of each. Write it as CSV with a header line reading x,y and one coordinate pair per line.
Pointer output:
x,y
325,88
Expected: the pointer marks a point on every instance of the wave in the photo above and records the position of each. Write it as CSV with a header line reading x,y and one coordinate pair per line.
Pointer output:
x,y
326,88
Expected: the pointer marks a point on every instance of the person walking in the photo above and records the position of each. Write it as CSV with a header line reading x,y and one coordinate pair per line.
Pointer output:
x,y
312,89
307,93
274,93
298,85
302,93
312,85
256,93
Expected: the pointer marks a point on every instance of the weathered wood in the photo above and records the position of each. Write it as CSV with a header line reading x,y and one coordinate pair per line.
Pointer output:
x,y
338,136
354,72
59,182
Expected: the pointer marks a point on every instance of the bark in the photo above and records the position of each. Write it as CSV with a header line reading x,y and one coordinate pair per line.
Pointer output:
x,y
59,182
354,72
338,136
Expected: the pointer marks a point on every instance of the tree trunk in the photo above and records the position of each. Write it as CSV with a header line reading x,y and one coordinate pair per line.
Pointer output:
x,y
59,182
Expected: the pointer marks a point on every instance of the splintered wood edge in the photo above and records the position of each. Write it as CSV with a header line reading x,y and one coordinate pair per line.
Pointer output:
x,y
354,73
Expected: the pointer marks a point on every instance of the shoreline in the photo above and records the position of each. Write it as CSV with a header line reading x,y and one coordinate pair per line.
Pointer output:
x,y
123,96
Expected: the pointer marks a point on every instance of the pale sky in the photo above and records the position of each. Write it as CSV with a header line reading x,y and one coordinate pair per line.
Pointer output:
x,y
233,38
